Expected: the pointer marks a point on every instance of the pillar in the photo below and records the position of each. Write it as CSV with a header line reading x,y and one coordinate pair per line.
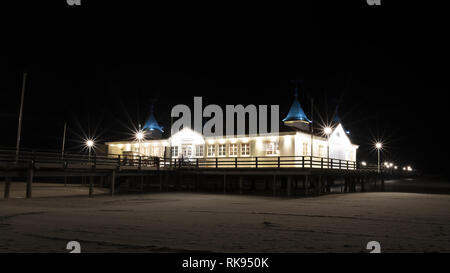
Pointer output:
x,y
7,187
317,185
289,186
30,174
241,184
306,184
91,185
274,185
113,182
224,183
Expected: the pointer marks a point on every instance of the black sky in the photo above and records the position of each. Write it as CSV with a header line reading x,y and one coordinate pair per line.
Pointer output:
x,y
98,67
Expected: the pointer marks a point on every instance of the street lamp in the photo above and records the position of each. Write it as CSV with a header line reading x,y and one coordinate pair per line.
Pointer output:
x,y
378,146
139,137
89,145
327,130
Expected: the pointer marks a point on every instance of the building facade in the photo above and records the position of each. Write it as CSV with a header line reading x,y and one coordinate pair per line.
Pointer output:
x,y
189,144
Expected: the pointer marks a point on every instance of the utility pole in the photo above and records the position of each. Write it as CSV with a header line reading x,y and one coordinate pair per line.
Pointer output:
x,y
19,127
64,140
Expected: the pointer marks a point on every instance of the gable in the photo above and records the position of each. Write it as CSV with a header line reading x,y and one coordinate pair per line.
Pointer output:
x,y
187,135
338,136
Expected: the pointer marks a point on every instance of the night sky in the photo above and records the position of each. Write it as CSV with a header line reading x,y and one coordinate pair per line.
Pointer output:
x,y
99,67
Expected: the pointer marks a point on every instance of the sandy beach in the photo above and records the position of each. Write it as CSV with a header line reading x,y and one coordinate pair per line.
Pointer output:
x,y
201,222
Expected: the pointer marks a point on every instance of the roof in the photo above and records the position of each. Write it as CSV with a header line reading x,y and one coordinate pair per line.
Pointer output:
x,y
152,124
296,112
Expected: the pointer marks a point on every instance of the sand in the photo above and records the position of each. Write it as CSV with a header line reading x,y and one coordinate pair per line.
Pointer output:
x,y
200,222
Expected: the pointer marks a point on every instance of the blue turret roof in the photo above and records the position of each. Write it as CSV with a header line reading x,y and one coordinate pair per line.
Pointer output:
x,y
152,124
296,112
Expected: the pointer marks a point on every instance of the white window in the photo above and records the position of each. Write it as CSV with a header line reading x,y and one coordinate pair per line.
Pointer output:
x,y
211,150
321,153
305,148
245,149
199,150
272,148
222,149
186,150
233,149
175,151
156,151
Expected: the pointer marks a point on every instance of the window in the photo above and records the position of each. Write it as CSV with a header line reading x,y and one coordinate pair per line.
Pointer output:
x,y
272,148
211,150
245,149
175,151
155,151
233,149
199,150
305,148
222,149
321,153
186,151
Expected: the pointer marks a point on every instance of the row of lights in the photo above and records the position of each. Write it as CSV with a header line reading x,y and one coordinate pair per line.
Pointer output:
x,y
389,165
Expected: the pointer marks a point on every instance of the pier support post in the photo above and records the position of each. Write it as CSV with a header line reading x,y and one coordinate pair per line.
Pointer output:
x,y
363,184
289,186
306,184
91,185
7,187
274,185
141,184
113,182
30,174
65,181
160,177
224,183
382,183
241,184
317,185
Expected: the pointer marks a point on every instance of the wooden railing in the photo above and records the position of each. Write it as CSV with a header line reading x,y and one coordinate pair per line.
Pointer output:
x,y
9,156
36,157
261,162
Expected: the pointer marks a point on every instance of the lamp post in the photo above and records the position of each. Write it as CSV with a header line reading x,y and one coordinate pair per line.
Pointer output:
x,y
327,131
89,145
139,137
378,146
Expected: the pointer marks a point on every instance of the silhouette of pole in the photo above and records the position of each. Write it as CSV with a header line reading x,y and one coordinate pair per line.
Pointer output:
x,y
19,127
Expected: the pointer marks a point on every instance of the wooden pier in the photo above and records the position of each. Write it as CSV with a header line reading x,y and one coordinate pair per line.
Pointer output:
x,y
287,175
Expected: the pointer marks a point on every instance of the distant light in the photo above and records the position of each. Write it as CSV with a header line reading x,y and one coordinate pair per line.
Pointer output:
x,y
140,135
395,167
404,168
378,145
364,163
409,168
347,132
391,164
327,130
120,146
89,143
